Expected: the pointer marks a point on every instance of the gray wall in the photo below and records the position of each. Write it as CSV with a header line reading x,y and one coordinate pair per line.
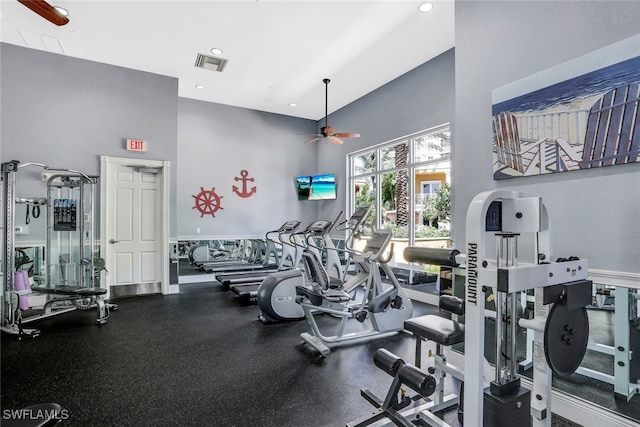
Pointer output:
x,y
594,213
66,112
418,100
216,142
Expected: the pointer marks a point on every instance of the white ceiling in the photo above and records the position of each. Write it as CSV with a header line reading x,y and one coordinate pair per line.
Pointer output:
x,y
278,51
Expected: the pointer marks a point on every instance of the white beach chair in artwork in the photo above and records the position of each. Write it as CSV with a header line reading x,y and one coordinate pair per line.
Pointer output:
x,y
512,151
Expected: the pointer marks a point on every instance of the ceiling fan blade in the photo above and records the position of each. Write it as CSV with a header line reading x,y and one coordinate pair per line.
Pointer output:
x,y
45,10
312,140
347,135
334,140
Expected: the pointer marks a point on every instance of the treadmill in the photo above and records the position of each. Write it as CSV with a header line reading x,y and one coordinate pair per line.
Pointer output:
x,y
250,275
320,229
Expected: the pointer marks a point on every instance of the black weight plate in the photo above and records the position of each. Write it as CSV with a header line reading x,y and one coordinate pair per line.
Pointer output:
x,y
566,334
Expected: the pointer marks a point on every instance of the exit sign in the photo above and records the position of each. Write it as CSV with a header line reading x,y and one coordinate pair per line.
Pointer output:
x,y
136,145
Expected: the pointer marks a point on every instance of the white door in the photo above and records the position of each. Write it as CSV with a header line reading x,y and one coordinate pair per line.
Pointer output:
x,y
134,226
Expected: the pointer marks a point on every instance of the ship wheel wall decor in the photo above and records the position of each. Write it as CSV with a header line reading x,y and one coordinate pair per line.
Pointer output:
x,y
207,202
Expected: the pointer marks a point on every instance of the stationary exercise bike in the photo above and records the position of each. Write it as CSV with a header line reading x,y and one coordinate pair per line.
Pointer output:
x,y
385,307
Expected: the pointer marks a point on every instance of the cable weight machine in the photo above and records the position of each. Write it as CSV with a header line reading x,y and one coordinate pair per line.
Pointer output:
x,y
72,268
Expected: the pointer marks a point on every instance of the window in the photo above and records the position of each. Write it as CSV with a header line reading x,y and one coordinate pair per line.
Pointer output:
x,y
430,188
407,182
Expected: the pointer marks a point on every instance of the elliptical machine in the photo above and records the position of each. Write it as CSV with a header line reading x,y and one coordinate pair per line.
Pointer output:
x,y
276,294
385,307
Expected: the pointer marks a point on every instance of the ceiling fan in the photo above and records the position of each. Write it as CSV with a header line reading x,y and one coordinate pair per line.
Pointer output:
x,y
48,12
327,131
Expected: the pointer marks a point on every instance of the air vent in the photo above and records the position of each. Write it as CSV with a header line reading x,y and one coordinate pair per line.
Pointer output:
x,y
212,63
42,42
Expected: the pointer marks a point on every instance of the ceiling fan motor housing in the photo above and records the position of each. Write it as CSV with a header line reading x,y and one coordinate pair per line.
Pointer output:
x,y
326,130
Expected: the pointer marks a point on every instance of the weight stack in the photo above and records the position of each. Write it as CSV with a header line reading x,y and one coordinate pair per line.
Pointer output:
x,y
513,409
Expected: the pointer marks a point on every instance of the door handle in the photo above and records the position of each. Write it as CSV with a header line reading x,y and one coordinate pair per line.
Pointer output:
x,y
112,241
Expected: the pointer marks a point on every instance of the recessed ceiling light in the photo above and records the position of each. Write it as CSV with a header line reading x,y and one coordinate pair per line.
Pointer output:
x,y
293,104
216,51
425,7
61,10
200,86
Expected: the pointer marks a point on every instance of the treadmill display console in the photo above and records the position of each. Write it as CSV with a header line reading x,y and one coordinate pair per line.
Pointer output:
x,y
289,226
319,227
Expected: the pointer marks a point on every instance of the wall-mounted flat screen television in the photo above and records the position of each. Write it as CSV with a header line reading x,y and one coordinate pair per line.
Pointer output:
x,y
316,187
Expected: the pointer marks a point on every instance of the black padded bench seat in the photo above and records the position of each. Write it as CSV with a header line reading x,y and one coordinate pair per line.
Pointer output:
x,y
91,291
75,293
436,328
442,331
70,290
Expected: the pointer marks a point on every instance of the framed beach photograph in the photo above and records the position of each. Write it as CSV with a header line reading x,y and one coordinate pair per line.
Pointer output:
x,y
577,115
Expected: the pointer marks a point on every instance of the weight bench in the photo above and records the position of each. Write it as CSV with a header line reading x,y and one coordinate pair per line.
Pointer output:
x,y
396,399
444,333
77,293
